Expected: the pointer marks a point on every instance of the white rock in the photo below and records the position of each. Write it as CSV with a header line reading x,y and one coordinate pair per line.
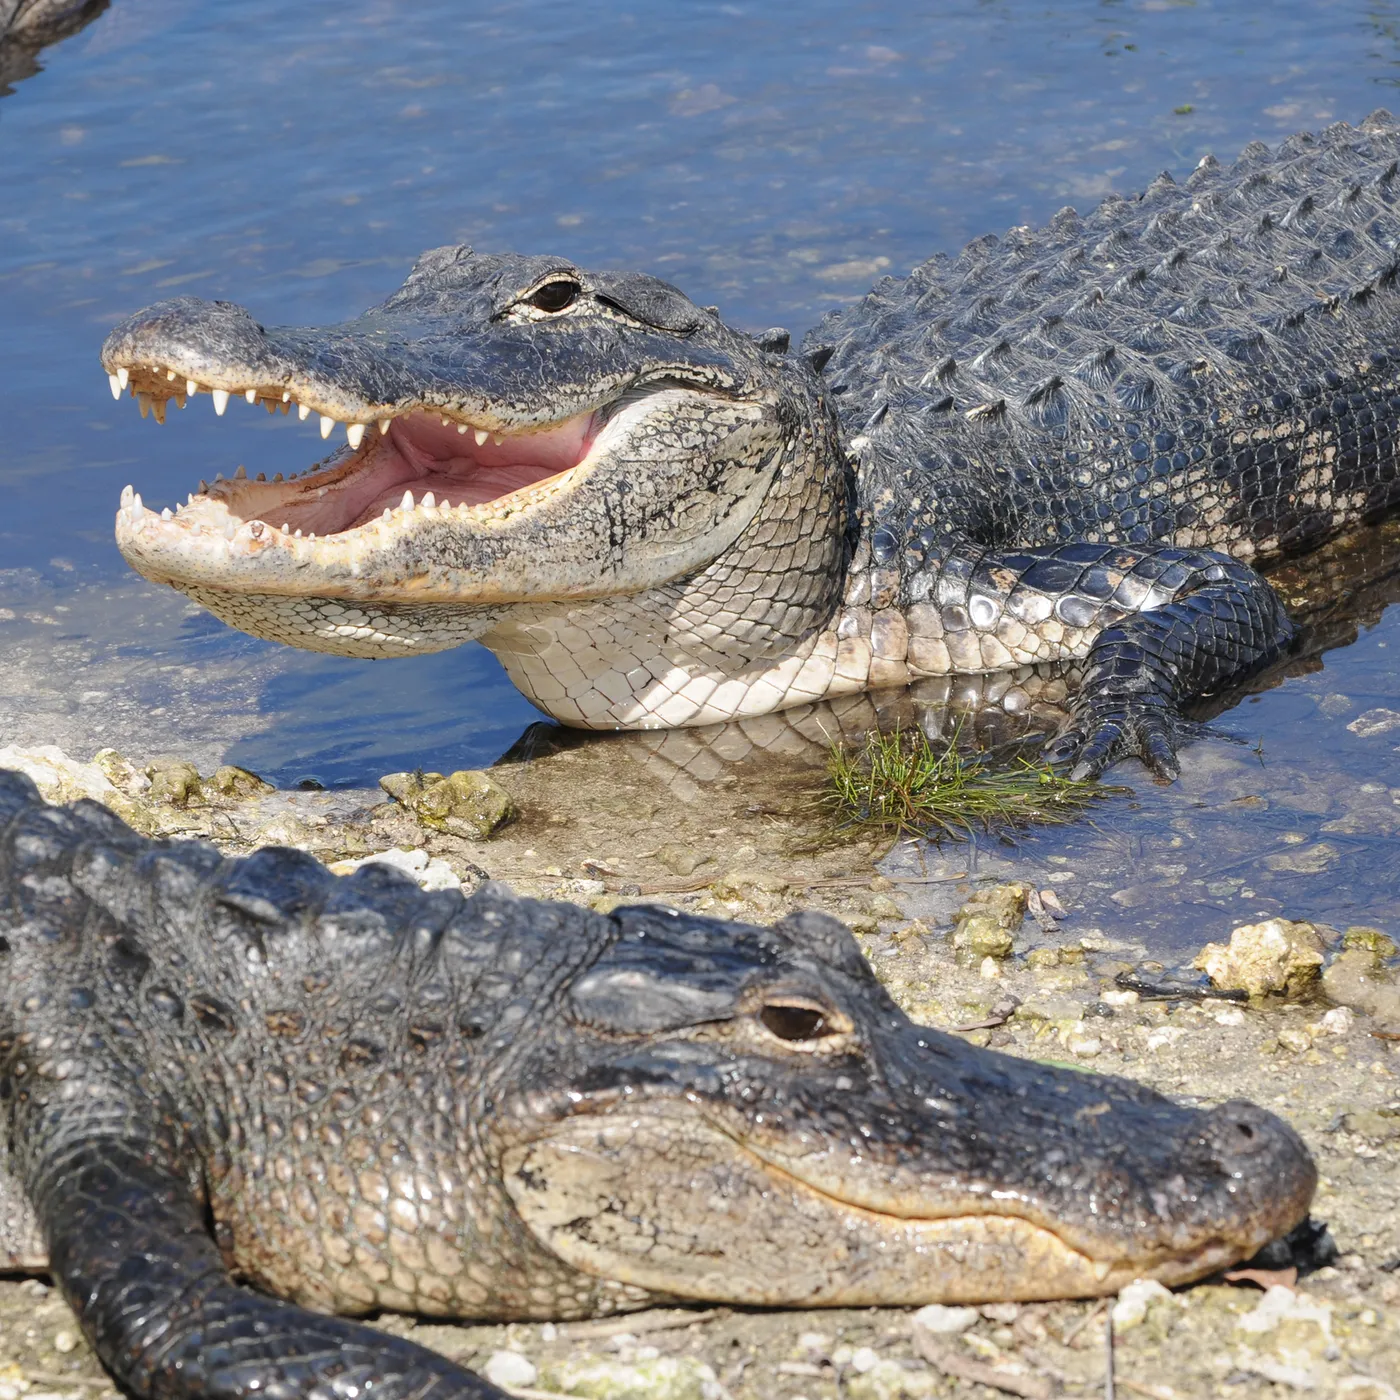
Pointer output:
x,y
1227,1015
1374,722
1119,997
58,777
1164,1036
1135,1299
1338,1021
864,1359
942,1321
431,872
1280,1304
509,1368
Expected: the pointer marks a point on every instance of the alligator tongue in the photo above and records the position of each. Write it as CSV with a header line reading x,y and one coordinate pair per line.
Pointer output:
x,y
420,454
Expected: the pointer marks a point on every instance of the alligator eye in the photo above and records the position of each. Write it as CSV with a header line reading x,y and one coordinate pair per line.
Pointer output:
x,y
554,296
794,1022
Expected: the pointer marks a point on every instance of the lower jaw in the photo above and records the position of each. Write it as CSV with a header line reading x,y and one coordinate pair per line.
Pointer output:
x,y
346,627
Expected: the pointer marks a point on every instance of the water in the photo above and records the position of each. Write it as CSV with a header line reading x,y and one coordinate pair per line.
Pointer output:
x,y
296,159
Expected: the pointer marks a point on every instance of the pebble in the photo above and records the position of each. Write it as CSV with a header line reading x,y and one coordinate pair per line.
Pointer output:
x,y
509,1368
864,1359
1134,1301
1338,1021
942,1321
64,1342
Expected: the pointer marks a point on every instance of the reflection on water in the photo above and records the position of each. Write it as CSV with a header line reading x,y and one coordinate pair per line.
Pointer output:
x,y
297,158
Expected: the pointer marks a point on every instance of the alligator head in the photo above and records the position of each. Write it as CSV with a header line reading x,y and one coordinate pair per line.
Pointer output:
x,y
523,439
746,1116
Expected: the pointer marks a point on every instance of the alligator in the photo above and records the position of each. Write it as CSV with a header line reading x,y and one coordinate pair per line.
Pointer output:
x,y
26,26
1072,442
238,1095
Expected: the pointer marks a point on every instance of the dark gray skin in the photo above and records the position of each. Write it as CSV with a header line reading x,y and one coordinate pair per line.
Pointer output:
x,y
352,1095
26,26
1071,444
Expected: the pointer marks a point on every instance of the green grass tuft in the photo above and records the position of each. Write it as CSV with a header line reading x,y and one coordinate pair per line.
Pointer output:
x,y
901,783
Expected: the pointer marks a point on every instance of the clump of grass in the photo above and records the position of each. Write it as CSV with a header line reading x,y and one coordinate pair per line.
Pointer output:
x,y
901,783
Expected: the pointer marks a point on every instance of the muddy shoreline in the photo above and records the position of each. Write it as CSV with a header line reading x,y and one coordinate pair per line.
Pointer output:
x,y
685,828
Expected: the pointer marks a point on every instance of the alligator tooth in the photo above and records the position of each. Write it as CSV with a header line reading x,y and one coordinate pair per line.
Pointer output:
x,y
297,535
384,424
496,439
481,436
145,402
251,395
311,534
286,396
286,407
326,425
303,412
407,502
286,528
203,488
261,476
277,478
165,514
189,497
220,400
271,405
240,474
116,385
128,494
446,421
429,500
388,514
170,375
123,375
354,433
180,400
158,410
136,506
255,529
191,387
461,427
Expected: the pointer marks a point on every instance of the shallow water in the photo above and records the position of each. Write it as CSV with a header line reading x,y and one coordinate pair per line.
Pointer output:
x,y
296,158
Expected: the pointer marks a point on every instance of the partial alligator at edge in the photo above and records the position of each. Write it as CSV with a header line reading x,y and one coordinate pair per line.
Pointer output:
x,y
27,26
353,1095
1067,444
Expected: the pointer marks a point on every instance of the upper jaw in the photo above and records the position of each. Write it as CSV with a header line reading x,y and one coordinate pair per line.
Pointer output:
x,y
457,439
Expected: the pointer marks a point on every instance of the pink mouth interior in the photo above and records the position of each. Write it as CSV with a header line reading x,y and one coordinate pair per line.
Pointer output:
x,y
420,454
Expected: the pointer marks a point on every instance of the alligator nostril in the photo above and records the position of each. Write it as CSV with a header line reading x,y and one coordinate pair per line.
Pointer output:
x,y
1246,1131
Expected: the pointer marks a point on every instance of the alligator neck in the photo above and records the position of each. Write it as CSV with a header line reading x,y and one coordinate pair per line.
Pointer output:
x,y
753,631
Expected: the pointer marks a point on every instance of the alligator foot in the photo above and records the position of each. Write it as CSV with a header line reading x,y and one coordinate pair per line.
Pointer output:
x,y
1099,734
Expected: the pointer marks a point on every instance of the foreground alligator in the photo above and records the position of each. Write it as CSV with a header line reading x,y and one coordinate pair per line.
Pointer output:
x,y
1029,453
355,1096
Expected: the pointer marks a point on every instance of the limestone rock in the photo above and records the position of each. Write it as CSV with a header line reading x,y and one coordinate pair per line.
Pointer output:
x,y
431,872
1359,979
1276,956
174,781
231,781
63,779
468,803
682,860
985,926
122,773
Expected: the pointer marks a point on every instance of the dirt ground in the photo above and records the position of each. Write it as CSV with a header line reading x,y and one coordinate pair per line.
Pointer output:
x,y
678,823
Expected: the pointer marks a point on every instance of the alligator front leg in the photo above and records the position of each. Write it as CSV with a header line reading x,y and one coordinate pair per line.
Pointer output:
x,y
1158,626
129,1247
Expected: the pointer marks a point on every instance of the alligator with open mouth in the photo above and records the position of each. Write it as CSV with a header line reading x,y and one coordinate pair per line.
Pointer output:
x,y
1072,442
353,1095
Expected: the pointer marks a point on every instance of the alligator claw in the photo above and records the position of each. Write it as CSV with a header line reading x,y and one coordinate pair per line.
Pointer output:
x,y
1099,735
